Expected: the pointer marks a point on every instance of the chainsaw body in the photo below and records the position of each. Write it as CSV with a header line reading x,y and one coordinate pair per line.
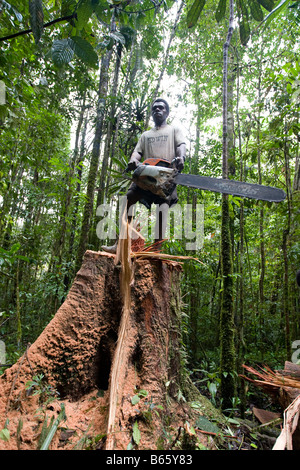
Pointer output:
x,y
156,176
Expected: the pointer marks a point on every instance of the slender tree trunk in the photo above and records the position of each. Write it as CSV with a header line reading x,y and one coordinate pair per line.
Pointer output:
x,y
130,75
240,285
285,241
296,182
93,171
60,239
18,309
80,155
261,299
107,149
227,349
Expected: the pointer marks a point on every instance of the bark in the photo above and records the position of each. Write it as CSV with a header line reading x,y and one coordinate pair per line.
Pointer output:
x,y
80,156
261,212
76,351
61,237
107,149
227,350
285,244
94,164
240,281
105,162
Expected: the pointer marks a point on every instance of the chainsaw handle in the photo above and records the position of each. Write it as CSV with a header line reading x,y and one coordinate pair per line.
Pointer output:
x,y
173,164
155,162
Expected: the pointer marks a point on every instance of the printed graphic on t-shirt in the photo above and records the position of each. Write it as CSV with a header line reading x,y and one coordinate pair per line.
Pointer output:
x,y
159,138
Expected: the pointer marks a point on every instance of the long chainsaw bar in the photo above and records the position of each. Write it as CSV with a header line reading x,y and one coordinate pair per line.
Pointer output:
x,y
162,181
236,188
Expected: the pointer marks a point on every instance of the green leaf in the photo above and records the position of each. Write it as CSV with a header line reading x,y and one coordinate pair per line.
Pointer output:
x,y
4,434
15,247
9,8
102,11
244,31
84,50
256,10
135,399
194,12
62,52
36,18
136,435
206,425
68,7
221,9
83,13
243,9
53,429
278,9
267,4
118,37
244,27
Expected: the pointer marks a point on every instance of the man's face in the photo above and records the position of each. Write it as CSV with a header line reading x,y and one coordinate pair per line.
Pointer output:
x,y
159,112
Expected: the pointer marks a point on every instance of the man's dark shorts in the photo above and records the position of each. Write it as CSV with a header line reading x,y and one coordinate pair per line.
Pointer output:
x,y
137,194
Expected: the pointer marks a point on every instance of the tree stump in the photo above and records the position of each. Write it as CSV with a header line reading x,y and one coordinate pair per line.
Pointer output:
x,y
75,353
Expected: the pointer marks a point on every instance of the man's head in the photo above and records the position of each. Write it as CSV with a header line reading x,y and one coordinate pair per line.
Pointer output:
x,y
160,111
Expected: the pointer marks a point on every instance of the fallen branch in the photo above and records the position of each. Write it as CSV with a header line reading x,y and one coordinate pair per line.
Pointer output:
x,y
151,254
216,434
271,378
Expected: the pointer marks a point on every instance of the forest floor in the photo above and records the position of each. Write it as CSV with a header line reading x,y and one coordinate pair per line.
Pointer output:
x,y
84,427
175,428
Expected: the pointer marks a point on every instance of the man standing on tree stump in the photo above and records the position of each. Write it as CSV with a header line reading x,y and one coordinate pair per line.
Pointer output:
x,y
165,142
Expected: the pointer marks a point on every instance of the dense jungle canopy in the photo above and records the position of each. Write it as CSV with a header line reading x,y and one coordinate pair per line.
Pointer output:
x,y
76,82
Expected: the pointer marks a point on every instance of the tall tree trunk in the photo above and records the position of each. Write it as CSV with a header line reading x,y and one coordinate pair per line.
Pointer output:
x,y
93,171
261,299
227,348
80,155
285,241
240,285
60,239
108,143
107,154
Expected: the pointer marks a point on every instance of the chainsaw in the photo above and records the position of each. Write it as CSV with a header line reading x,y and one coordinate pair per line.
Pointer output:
x,y
160,177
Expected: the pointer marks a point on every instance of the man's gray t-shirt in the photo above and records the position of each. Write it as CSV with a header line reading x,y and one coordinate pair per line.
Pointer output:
x,y
160,143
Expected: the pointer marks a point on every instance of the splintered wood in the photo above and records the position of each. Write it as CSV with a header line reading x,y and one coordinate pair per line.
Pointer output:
x,y
124,257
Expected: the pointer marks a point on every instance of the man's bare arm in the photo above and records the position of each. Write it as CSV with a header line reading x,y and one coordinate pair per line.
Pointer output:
x,y
134,160
180,156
